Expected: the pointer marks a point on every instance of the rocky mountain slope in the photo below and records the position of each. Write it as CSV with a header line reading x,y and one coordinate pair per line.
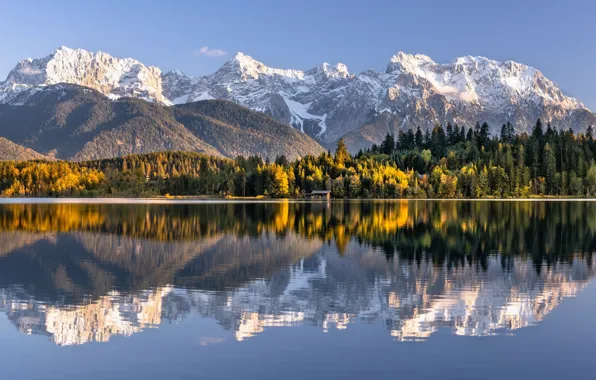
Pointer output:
x,y
11,151
73,122
113,77
328,102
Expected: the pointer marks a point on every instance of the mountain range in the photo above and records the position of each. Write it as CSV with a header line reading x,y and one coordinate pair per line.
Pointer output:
x,y
72,122
327,102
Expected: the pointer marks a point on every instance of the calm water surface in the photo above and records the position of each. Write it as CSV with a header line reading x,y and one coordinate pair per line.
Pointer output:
x,y
412,290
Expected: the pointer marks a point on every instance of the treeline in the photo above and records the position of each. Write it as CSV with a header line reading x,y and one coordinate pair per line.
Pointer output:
x,y
439,163
472,164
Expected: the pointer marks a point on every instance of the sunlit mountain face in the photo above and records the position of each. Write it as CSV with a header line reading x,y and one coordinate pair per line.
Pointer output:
x,y
87,273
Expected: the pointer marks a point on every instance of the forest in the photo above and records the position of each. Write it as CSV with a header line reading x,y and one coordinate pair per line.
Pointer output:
x,y
445,162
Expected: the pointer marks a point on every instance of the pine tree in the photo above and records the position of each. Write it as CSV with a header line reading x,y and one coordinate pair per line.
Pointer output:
x,y
388,145
590,133
427,139
504,136
449,132
521,167
456,134
411,139
537,131
550,168
483,136
507,133
419,138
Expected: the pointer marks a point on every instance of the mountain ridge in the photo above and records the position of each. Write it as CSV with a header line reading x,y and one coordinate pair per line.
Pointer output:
x,y
328,102
10,151
71,122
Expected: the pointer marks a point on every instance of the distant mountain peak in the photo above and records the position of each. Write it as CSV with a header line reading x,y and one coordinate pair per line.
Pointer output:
x,y
339,70
114,77
403,57
327,101
240,56
250,68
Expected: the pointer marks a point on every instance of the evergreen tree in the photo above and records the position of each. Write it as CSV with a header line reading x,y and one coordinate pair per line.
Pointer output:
x,y
419,138
450,136
438,141
507,133
483,136
550,168
482,186
411,139
462,134
537,131
388,145
456,134
590,133
427,139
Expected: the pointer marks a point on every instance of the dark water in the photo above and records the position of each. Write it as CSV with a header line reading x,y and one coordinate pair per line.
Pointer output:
x,y
412,290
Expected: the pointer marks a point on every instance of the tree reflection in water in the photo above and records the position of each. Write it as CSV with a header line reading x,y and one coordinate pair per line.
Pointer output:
x,y
82,273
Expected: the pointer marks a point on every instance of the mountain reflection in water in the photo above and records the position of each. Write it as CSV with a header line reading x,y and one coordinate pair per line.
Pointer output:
x,y
84,273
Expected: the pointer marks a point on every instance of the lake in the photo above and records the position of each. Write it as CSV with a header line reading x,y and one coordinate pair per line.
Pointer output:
x,y
294,290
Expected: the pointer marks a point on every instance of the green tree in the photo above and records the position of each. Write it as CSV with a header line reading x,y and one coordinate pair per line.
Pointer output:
x,y
339,189
591,180
575,185
388,145
550,168
482,185
419,138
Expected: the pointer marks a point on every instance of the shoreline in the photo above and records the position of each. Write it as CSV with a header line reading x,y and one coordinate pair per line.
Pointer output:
x,y
193,200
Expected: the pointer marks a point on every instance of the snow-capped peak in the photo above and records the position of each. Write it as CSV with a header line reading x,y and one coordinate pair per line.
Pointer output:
x,y
333,72
251,68
115,77
328,101
413,59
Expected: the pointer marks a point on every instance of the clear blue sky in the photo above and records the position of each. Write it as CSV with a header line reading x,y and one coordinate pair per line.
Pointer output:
x,y
557,37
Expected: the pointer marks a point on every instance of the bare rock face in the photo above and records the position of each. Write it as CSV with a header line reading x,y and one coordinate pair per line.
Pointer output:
x,y
177,86
328,102
113,77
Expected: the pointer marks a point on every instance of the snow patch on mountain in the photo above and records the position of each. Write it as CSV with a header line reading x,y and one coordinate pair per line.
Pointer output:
x,y
327,101
300,113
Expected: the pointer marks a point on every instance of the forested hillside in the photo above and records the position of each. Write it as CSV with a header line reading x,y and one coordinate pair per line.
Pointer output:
x,y
445,163
71,122
12,151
